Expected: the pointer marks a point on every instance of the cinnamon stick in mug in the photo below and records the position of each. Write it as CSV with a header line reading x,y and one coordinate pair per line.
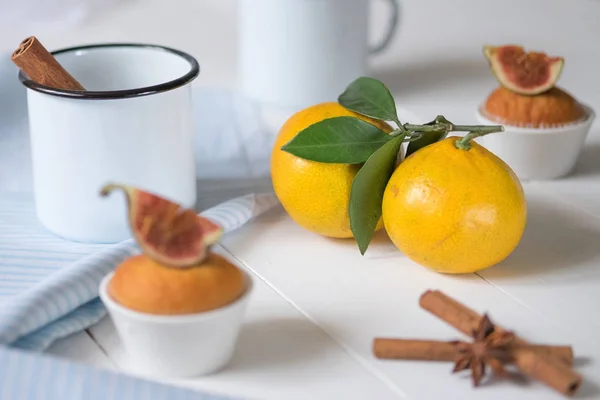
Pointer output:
x,y
39,65
552,371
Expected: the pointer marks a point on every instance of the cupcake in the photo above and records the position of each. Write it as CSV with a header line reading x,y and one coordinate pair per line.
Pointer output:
x,y
142,284
552,108
179,305
545,126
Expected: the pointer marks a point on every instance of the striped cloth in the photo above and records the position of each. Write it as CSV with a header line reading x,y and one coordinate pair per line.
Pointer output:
x,y
49,286
24,375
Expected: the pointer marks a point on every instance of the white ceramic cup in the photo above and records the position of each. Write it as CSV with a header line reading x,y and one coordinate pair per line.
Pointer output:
x,y
296,53
180,346
132,125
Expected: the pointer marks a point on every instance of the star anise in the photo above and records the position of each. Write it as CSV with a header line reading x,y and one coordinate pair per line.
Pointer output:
x,y
490,347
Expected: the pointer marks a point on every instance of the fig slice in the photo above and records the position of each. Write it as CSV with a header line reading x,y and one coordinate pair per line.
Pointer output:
x,y
166,232
522,72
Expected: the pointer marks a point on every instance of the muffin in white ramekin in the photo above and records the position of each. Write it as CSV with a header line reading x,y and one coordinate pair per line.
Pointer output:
x,y
543,134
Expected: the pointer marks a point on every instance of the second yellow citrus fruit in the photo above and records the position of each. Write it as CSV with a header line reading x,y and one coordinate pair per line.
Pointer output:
x,y
315,195
454,210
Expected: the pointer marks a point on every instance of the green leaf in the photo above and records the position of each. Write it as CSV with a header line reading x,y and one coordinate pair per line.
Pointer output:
x,y
370,97
428,138
342,140
368,186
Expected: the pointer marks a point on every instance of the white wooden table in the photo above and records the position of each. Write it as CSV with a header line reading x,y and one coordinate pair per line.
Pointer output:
x,y
318,304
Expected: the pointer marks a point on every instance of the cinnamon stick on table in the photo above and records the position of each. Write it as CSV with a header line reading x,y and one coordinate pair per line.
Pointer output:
x,y
433,350
40,66
551,370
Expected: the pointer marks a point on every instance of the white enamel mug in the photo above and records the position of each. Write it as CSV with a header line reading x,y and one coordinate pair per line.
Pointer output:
x,y
132,125
296,53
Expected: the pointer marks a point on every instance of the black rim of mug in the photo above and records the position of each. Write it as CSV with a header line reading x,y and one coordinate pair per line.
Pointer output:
x,y
118,94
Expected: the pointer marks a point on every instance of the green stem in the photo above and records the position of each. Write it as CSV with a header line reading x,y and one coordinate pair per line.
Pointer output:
x,y
442,125
454,128
465,142
423,128
410,136
401,127
478,128
413,138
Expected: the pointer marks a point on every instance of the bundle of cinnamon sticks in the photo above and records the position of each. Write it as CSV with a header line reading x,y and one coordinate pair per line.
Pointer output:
x,y
551,365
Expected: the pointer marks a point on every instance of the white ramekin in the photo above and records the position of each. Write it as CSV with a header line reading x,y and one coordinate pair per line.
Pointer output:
x,y
538,153
177,346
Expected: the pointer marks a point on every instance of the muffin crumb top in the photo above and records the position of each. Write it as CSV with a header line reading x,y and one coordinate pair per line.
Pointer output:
x,y
555,107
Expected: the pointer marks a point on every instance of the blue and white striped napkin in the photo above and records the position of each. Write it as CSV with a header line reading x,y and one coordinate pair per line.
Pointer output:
x,y
24,375
49,286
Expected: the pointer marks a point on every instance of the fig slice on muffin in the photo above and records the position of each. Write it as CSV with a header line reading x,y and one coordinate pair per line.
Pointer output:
x,y
168,233
522,72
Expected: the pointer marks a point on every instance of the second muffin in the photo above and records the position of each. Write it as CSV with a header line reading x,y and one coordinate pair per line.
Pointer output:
x,y
553,108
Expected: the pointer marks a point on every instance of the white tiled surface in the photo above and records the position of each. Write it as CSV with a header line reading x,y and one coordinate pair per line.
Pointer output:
x,y
318,303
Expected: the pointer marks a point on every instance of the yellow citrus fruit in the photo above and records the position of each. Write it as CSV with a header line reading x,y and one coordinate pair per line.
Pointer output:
x,y
142,284
454,210
315,194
